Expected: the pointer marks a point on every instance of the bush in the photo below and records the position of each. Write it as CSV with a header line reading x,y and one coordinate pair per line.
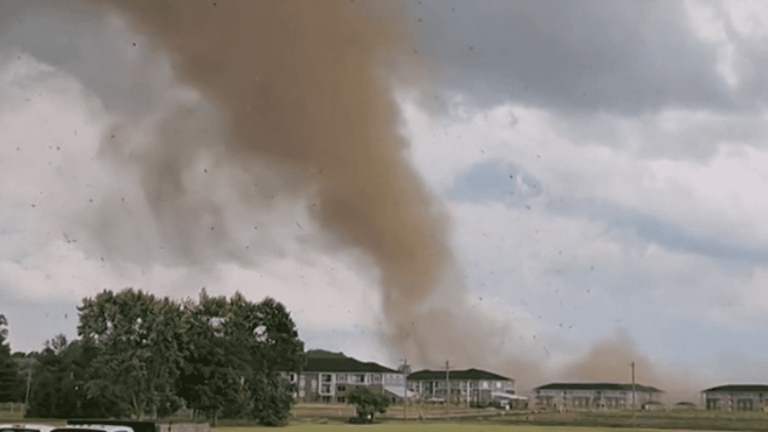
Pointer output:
x,y
367,404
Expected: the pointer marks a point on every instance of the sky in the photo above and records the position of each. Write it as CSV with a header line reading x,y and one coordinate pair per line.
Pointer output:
x,y
602,164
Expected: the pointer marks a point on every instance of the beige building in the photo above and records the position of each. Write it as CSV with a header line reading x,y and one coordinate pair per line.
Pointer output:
x,y
595,396
736,397
467,387
329,377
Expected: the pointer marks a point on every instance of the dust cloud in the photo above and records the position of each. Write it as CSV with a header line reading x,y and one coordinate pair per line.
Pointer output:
x,y
303,92
610,359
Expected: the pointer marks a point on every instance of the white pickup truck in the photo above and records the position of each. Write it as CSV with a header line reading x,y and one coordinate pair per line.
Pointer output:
x,y
25,427
92,428
81,426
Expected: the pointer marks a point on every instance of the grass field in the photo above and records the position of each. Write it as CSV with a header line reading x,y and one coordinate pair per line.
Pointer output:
x,y
329,417
424,427
470,420
431,427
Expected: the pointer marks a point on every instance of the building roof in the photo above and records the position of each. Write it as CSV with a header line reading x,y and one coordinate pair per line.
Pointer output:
x,y
319,353
599,386
739,388
467,374
345,364
326,361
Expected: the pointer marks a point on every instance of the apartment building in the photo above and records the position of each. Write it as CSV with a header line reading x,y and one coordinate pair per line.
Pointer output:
x,y
468,387
329,378
594,396
736,397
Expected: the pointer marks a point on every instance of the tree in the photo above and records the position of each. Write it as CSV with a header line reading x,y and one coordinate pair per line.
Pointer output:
x,y
59,378
211,376
367,403
275,347
232,354
138,359
11,381
273,399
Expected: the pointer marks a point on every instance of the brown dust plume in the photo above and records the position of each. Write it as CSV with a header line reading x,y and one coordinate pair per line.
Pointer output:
x,y
306,87
610,359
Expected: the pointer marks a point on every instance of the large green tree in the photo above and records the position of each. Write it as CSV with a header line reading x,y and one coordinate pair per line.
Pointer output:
x,y
11,381
138,359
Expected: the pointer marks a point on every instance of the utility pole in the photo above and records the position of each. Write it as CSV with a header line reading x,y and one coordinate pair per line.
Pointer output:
x,y
634,393
447,391
29,384
406,369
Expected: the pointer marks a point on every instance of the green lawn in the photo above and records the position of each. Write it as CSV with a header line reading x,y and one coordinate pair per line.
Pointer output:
x,y
427,427
328,418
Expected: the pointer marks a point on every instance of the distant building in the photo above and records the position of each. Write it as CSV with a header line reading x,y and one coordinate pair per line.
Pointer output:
x,y
470,387
594,395
329,377
736,397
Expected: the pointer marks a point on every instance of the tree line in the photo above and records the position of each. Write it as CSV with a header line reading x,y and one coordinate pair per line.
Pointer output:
x,y
141,356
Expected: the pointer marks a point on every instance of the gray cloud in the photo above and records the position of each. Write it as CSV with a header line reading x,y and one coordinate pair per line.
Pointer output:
x,y
601,55
77,39
490,182
495,180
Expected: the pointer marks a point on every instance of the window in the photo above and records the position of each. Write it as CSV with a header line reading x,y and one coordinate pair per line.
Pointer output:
x,y
341,399
325,389
358,378
301,382
498,385
326,399
376,378
581,401
744,404
713,404
341,377
292,377
326,378
545,400
341,388
393,379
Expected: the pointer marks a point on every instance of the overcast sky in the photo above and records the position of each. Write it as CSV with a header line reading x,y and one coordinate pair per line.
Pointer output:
x,y
605,165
